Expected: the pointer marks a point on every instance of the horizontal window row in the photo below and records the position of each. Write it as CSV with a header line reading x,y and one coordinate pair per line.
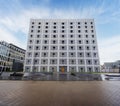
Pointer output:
x,y
62,31
62,41
62,36
63,61
62,23
63,54
54,68
61,27
62,48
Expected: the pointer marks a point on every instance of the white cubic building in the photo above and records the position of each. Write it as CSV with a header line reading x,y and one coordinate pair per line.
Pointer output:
x,y
62,45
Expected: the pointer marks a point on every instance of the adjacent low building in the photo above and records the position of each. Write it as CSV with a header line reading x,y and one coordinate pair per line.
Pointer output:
x,y
11,57
111,66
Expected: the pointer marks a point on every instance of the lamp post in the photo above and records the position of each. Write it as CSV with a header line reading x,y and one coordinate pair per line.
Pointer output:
x,y
119,67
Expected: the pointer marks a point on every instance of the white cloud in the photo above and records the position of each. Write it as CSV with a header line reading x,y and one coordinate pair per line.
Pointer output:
x,y
20,21
8,37
109,49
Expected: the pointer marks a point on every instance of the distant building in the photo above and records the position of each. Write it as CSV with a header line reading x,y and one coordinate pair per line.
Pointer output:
x,y
111,66
11,57
62,45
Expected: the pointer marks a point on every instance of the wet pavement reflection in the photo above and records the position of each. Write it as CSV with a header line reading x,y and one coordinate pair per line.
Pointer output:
x,y
59,93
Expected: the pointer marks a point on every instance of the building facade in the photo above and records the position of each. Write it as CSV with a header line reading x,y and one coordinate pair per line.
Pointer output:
x,y
4,56
111,66
11,57
62,45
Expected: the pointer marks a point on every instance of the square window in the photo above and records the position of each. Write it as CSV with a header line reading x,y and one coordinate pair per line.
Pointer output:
x,y
63,47
92,31
45,47
80,41
79,36
79,31
93,41
38,36
36,54
63,27
54,27
54,36
45,41
86,36
46,27
93,36
71,36
37,41
54,23
31,36
94,48
63,36
37,48
54,41
95,54
71,27
87,41
71,41
46,36
88,48
71,31
72,47
63,41
44,54
54,31
46,23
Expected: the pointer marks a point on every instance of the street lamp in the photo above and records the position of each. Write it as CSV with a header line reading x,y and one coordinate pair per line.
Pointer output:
x,y
119,67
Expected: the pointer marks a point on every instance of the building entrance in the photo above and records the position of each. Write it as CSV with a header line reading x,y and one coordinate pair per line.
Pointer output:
x,y
63,69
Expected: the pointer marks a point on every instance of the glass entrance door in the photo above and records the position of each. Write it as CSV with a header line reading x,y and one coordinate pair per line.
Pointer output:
x,y
63,69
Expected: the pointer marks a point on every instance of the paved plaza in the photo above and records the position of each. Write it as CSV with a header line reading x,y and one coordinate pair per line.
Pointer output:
x,y
59,93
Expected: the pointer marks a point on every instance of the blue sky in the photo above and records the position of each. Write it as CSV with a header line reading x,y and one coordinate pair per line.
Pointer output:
x,y
15,16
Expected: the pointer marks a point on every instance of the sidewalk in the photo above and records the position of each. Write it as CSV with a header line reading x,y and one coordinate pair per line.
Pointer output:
x,y
59,93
